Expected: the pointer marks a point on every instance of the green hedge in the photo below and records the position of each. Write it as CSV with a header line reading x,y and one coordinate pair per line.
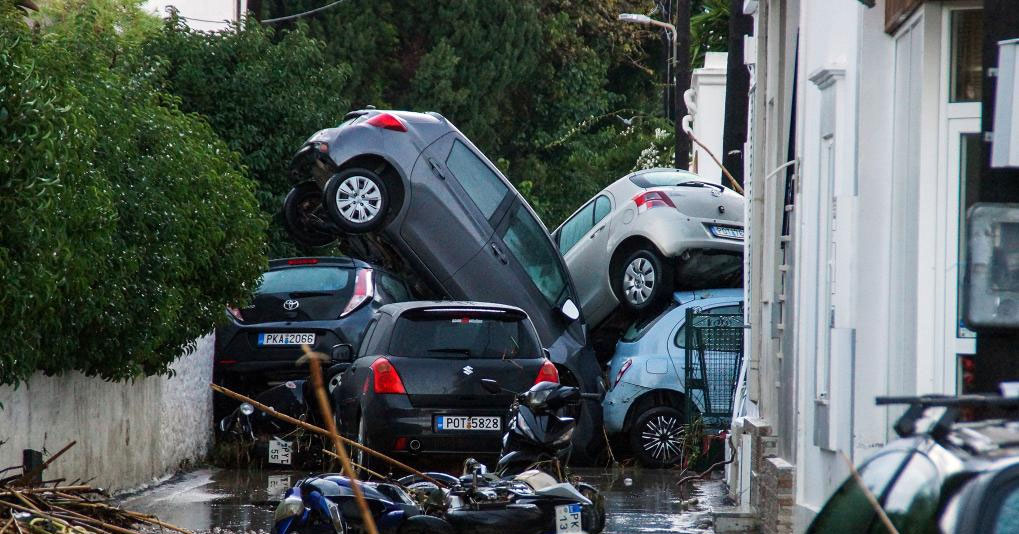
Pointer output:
x,y
125,223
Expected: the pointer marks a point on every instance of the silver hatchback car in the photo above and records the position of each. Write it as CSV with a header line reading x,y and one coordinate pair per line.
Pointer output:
x,y
649,233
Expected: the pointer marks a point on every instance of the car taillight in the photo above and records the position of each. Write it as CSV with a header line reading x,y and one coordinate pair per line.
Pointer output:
x,y
302,261
548,373
652,199
386,379
364,290
387,121
236,313
622,371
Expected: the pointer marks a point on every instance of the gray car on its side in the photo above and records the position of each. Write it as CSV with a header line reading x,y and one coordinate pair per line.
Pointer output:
x,y
410,191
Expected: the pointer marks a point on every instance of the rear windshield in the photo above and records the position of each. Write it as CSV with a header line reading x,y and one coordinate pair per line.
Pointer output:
x,y
306,279
444,335
662,178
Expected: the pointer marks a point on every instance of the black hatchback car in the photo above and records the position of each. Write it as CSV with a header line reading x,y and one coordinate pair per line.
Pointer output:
x,y
941,477
415,385
410,191
325,302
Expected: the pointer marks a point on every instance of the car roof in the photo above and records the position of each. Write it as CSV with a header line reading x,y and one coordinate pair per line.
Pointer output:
x,y
686,297
399,308
318,261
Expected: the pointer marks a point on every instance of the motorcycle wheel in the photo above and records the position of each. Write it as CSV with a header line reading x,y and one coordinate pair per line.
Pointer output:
x,y
425,524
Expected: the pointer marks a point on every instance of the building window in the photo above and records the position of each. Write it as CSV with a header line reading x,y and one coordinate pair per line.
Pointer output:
x,y
969,181
967,50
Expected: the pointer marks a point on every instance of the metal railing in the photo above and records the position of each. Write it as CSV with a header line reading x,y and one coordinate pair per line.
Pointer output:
x,y
714,353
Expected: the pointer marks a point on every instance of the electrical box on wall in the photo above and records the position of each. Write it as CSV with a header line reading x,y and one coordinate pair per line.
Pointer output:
x,y
1005,145
992,267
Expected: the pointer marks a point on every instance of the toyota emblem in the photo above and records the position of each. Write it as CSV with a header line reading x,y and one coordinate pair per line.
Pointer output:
x,y
291,305
468,370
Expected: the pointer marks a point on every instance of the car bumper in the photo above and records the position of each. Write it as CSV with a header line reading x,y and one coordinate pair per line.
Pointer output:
x,y
673,232
391,419
617,403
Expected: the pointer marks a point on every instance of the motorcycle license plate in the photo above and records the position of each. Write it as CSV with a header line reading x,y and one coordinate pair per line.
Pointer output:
x,y
286,339
467,422
567,519
280,452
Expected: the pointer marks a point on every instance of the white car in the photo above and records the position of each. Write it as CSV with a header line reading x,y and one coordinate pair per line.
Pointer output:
x,y
648,234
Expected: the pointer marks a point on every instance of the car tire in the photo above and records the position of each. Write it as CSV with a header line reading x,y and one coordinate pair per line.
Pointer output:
x,y
357,200
303,216
656,437
643,281
358,456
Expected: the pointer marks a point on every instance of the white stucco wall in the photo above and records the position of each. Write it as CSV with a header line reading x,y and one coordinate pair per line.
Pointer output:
x,y
708,84
128,433
214,14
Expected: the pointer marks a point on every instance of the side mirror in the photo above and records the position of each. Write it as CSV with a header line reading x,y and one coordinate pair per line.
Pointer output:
x,y
570,310
342,353
491,386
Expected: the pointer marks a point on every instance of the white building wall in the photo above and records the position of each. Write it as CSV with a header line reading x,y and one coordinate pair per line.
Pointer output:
x,y
205,15
708,86
128,433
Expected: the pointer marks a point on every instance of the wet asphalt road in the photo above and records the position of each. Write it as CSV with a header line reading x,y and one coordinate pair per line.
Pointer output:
x,y
238,501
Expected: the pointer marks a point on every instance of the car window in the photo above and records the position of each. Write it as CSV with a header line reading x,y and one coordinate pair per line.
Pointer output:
x,y
529,243
484,187
576,227
734,309
305,279
463,335
602,207
1007,520
662,178
642,326
394,287
905,481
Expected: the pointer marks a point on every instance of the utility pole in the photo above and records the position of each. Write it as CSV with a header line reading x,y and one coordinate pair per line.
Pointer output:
x,y
737,92
682,81
997,357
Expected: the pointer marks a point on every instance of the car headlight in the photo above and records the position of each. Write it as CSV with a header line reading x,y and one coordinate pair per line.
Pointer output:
x,y
291,506
247,409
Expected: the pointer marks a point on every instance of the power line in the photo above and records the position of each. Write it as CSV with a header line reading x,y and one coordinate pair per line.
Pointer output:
x,y
305,14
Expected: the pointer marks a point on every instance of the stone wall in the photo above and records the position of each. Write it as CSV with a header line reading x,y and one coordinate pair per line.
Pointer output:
x,y
128,433
772,479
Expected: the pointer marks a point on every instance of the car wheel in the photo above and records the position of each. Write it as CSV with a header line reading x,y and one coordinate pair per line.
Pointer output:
x,y
304,217
643,281
357,200
358,456
656,437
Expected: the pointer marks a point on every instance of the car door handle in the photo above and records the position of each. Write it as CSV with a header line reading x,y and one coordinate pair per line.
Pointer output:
x,y
436,168
596,232
498,254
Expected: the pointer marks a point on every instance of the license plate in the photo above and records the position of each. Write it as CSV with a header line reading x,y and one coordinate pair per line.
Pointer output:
x,y
279,452
286,339
727,232
567,519
467,422
276,485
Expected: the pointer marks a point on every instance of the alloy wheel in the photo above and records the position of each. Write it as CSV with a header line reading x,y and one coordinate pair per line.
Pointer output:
x,y
358,199
662,438
639,281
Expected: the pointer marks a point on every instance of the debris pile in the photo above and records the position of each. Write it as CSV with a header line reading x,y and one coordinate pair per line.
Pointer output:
x,y
31,506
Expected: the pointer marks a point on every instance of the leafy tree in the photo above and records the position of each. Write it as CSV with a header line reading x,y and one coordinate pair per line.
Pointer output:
x,y
709,29
264,92
125,224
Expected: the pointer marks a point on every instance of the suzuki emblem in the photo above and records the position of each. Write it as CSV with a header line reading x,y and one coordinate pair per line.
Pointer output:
x,y
291,305
468,370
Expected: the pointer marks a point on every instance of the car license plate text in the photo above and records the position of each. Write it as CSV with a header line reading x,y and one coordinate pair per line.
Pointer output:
x,y
286,339
279,452
727,232
567,519
467,422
